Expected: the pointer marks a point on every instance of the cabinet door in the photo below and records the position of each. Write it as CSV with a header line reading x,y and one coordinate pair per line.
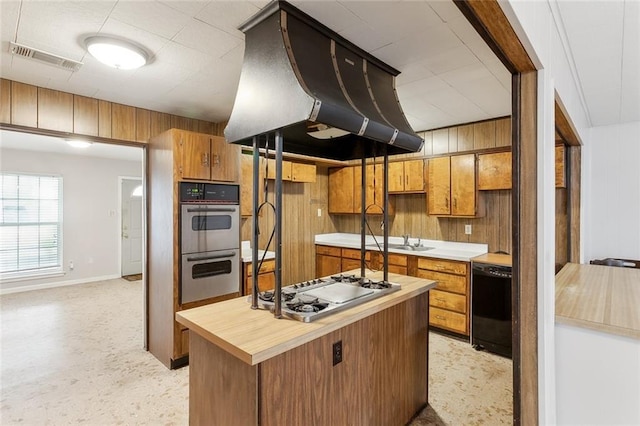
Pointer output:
x,y
195,149
303,172
494,171
463,185
413,176
327,265
375,189
224,160
439,192
286,169
396,176
246,185
341,190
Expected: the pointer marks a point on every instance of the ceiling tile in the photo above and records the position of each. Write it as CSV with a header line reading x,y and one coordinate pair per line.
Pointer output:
x,y
413,16
157,18
446,10
183,56
341,17
228,15
207,39
466,76
422,87
449,60
412,72
8,19
190,8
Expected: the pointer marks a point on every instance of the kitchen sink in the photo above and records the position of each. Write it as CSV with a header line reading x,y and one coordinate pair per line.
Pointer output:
x,y
403,247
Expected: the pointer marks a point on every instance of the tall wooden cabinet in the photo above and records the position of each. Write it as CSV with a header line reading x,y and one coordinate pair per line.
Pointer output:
x,y
452,187
173,156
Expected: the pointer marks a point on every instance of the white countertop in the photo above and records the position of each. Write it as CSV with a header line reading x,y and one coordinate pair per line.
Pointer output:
x,y
442,249
247,253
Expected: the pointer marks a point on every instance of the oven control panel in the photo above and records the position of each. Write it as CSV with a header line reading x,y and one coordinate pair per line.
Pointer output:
x,y
213,193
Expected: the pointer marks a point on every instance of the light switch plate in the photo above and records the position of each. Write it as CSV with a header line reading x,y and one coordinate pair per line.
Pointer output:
x,y
467,229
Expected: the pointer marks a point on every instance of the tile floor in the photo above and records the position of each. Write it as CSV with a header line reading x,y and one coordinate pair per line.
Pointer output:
x,y
73,355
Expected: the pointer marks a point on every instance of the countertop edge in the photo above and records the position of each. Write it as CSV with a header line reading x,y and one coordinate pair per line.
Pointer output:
x,y
427,253
603,328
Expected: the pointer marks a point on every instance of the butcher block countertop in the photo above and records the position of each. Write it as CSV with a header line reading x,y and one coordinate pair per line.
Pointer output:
x,y
254,336
493,259
603,298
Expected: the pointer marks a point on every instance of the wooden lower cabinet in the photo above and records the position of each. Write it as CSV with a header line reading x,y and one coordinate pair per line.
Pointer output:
x,y
450,300
328,261
266,276
385,354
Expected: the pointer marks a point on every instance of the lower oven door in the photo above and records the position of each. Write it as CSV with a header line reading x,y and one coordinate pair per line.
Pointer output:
x,y
209,274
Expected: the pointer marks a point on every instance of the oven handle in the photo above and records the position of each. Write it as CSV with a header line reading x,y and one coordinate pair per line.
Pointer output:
x,y
211,257
211,209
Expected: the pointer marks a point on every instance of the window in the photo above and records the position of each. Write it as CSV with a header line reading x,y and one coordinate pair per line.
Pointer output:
x,y
30,224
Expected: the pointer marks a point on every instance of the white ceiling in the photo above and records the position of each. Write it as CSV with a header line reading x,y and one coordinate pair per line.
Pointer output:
x,y
604,42
448,74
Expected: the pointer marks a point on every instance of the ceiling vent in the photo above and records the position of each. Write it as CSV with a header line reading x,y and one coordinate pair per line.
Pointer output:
x,y
48,58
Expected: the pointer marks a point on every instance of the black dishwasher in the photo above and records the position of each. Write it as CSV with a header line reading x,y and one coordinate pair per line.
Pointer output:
x,y
491,308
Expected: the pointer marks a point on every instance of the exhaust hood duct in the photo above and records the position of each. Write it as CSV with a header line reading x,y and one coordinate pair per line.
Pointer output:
x,y
330,98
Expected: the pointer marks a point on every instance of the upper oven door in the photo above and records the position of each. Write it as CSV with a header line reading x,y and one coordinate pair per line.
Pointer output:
x,y
209,227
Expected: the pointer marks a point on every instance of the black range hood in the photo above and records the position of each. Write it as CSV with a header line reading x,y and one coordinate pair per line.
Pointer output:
x,y
329,98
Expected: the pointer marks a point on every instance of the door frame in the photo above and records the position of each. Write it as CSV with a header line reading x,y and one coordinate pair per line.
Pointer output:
x,y
121,179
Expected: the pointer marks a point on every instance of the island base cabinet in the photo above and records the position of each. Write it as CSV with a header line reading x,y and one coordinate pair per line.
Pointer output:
x,y
385,354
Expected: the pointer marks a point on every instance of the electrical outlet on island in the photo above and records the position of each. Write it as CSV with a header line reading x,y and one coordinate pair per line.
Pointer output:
x,y
467,229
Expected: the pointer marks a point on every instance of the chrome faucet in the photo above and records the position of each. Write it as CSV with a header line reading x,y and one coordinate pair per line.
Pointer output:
x,y
406,240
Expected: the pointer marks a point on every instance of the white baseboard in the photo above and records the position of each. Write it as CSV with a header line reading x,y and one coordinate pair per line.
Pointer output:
x,y
20,289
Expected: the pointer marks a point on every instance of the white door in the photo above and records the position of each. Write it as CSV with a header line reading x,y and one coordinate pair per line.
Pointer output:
x,y
131,232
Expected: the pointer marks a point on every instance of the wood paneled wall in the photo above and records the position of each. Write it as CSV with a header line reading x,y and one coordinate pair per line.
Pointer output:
x,y
411,216
55,111
300,224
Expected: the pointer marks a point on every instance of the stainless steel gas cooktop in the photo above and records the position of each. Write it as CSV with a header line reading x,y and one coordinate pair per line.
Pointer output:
x,y
313,299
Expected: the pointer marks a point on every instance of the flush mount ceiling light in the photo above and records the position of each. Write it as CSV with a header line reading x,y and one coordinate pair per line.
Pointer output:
x,y
116,53
76,143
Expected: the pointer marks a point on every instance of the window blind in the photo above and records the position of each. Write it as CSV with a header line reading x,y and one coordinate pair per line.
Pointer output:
x,y
30,222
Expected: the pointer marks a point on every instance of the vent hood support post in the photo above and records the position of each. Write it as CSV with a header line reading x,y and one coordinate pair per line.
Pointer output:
x,y
278,224
363,213
385,213
254,225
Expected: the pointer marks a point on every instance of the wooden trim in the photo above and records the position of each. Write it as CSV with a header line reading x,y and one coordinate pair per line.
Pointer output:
x,y
574,172
564,125
487,17
5,101
525,306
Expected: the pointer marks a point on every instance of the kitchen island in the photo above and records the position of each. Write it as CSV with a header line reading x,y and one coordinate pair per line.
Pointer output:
x,y
597,345
366,365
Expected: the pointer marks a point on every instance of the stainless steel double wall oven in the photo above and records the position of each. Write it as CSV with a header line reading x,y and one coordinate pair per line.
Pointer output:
x,y
209,240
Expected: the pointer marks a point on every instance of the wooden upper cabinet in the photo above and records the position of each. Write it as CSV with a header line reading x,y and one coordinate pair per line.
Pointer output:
x,y
439,186
396,176
341,190
55,110
123,122
225,160
271,169
85,115
24,104
414,177
463,185
374,187
104,119
194,155
143,125
494,171
246,184
560,167
452,187
303,172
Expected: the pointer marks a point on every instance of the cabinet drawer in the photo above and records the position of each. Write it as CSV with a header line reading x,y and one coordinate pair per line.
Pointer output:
x,y
446,300
448,320
395,269
451,267
354,254
394,259
329,251
267,266
446,282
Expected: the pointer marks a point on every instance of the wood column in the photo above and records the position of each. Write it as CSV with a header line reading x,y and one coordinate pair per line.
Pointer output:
x,y
525,243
